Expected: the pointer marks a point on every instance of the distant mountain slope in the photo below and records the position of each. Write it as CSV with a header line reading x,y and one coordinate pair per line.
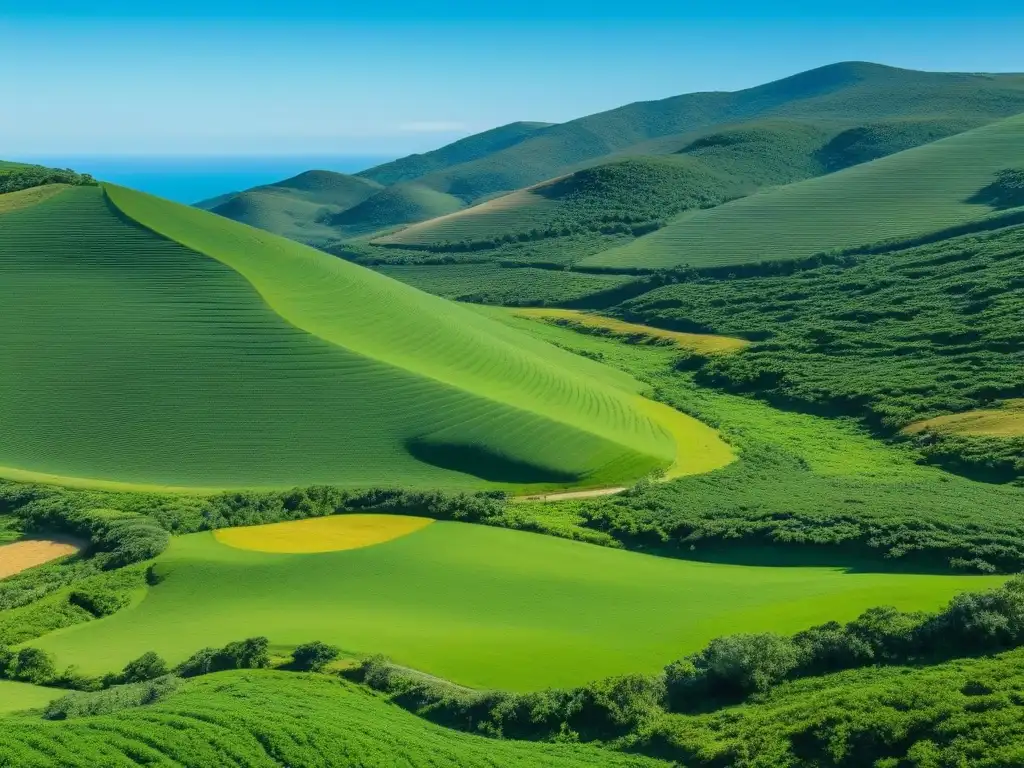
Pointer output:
x,y
461,151
846,90
633,195
865,110
393,206
904,195
297,208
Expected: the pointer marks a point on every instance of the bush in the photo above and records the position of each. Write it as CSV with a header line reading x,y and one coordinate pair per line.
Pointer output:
x,y
33,665
746,663
99,600
253,653
112,699
148,666
314,656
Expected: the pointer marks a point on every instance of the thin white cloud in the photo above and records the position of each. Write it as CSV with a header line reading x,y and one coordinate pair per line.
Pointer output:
x,y
432,126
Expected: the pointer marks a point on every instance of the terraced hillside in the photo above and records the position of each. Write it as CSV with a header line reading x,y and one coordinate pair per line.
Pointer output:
x,y
911,193
262,718
485,607
156,344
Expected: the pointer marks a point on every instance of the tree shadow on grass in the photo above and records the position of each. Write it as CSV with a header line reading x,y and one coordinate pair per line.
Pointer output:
x,y
850,559
485,463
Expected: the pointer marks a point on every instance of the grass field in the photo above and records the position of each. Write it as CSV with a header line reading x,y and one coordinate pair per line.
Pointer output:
x,y
15,697
702,343
904,195
483,606
1006,421
268,719
229,342
321,534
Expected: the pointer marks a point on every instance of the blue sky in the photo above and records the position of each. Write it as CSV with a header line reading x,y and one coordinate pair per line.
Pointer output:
x,y
318,77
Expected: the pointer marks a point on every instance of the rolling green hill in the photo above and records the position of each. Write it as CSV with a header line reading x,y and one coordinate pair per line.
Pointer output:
x,y
391,207
462,151
911,193
261,719
636,194
157,344
812,123
298,208
486,607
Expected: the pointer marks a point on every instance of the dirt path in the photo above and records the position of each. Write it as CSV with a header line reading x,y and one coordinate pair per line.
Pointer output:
x,y
22,555
570,495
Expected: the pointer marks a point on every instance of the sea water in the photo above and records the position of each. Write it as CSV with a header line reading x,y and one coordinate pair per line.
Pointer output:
x,y
193,179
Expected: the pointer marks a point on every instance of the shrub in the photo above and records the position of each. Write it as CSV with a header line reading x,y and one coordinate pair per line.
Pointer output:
x,y
253,653
314,656
33,665
112,699
148,666
746,663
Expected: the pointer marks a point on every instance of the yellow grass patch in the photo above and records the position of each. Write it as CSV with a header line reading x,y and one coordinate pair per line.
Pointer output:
x,y
703,343
22,555
322,534
1007,421
699,448
14,201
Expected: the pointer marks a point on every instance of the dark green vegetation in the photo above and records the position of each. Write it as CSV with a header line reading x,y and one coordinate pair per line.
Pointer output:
x,y
891,337
15,177
805,488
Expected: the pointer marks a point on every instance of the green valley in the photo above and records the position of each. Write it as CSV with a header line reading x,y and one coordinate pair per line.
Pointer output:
x,y
685,433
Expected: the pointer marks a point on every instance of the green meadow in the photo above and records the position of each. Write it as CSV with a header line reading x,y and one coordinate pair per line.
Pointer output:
x,y
482,606
15,697
905,195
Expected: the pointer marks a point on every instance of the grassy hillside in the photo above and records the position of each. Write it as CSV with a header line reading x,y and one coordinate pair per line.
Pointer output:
x,y
490,607
851,89
361,380
260,719
816,122
608,205
298,208
619,195
391,207
901,196
462,151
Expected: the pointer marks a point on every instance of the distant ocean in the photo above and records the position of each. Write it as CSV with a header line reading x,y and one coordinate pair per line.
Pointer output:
x,y
191,179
